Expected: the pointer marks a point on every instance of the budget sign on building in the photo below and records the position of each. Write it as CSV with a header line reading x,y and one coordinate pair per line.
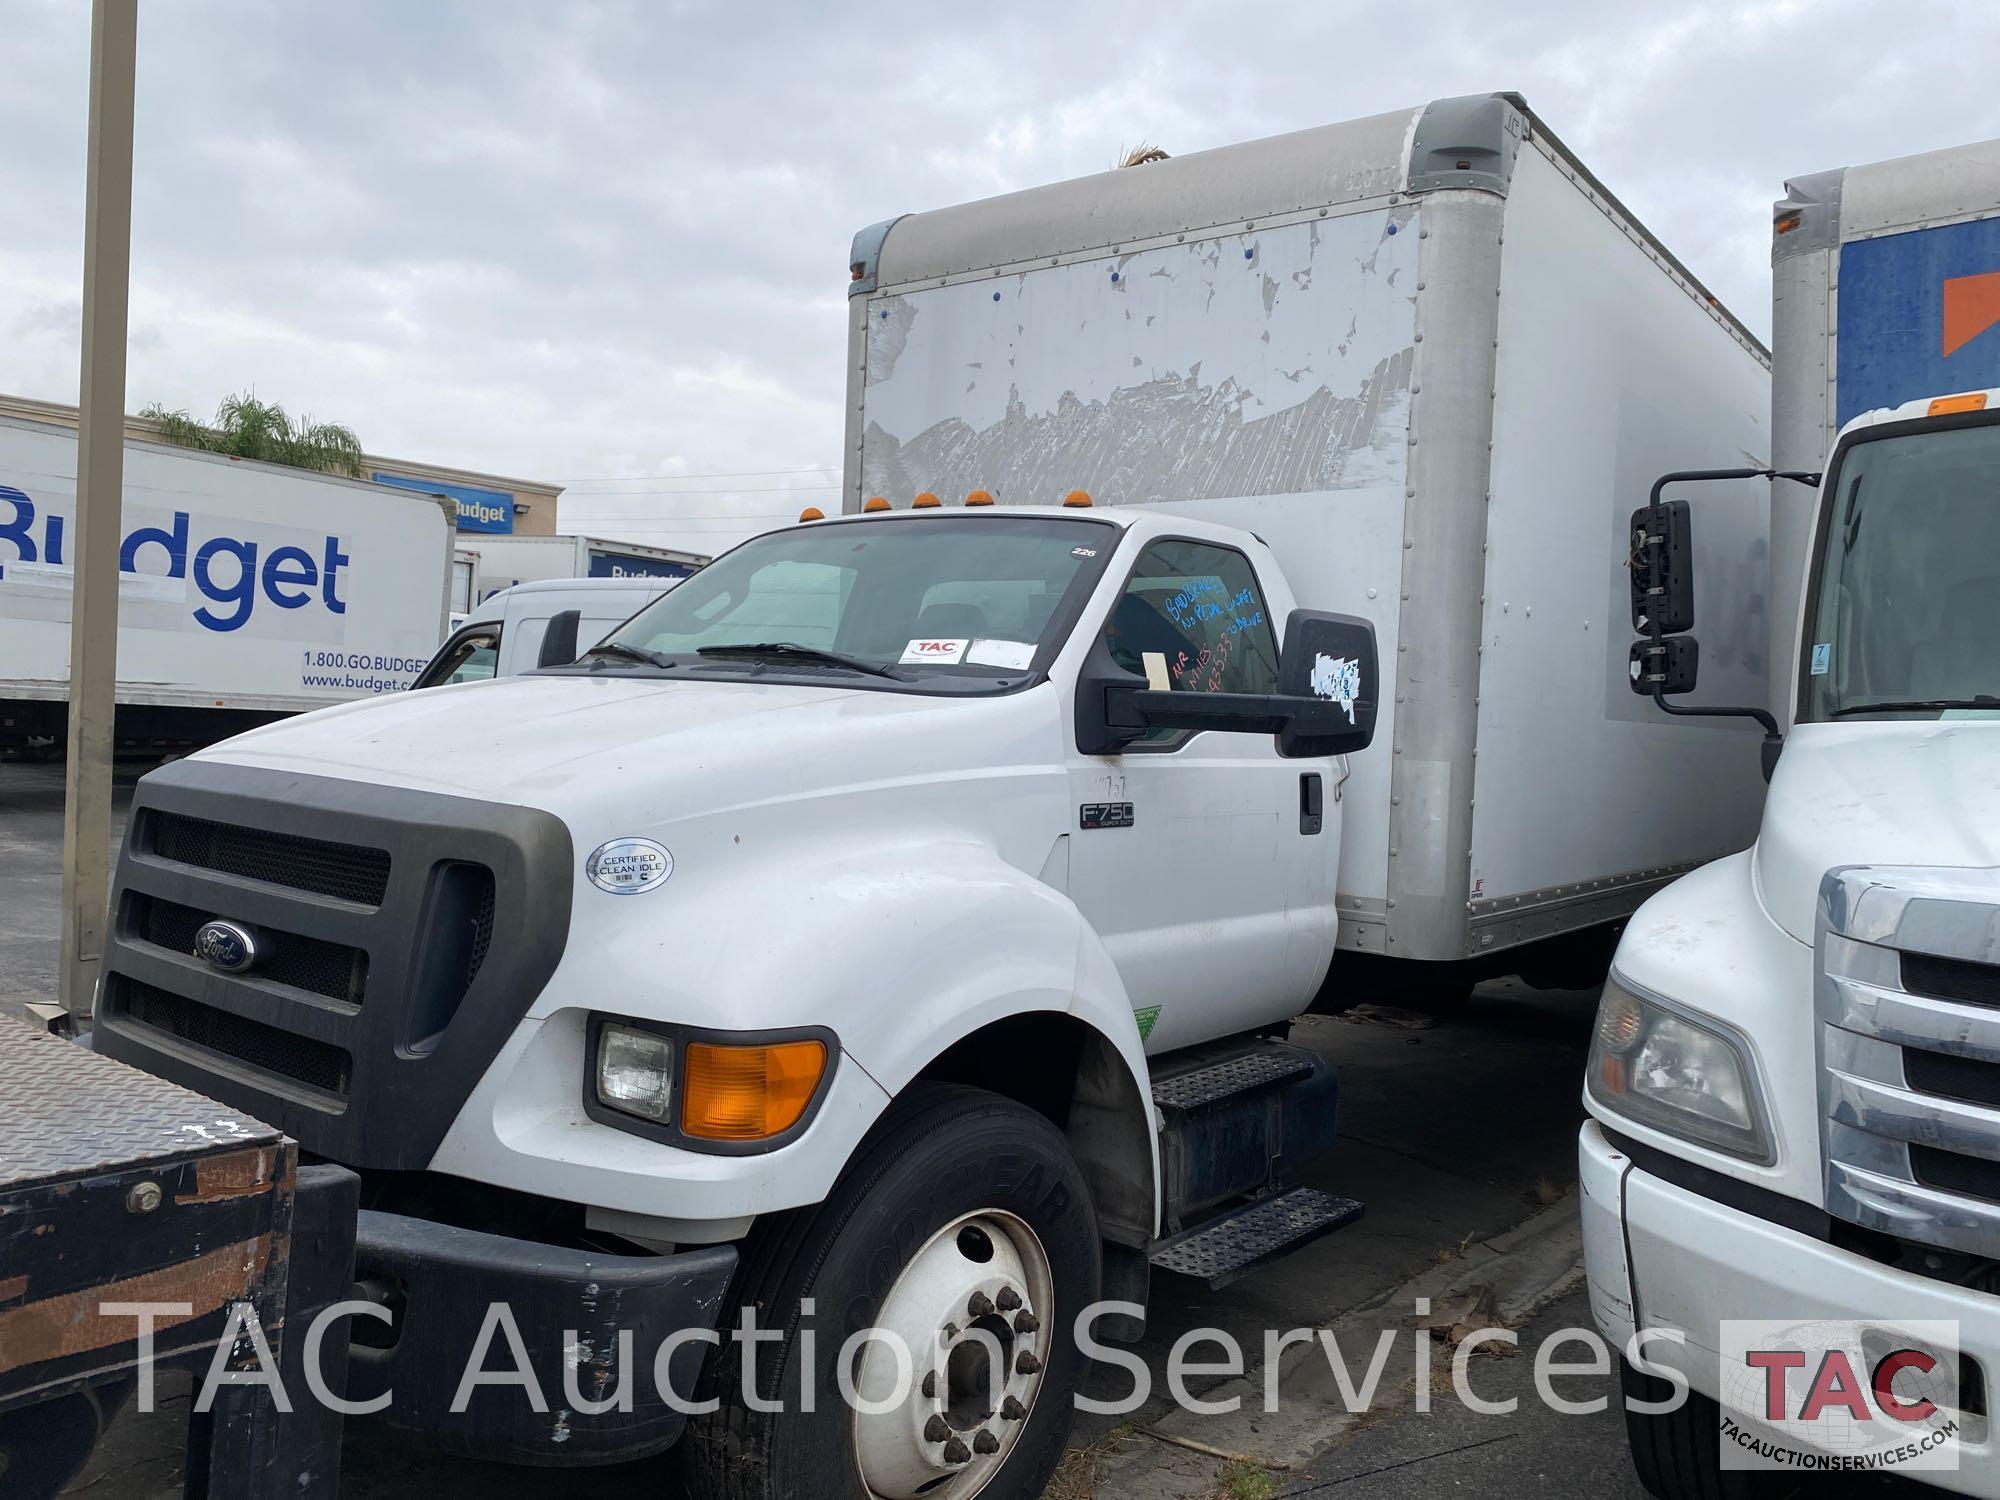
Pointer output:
x,y
488,511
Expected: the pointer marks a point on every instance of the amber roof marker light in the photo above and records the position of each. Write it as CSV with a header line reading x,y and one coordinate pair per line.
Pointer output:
x,y
1077,500
875,503
926,501
978,497
812,513
1944,406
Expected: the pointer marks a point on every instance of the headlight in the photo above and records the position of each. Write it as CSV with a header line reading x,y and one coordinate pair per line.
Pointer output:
x,y
1687,1075
635,1072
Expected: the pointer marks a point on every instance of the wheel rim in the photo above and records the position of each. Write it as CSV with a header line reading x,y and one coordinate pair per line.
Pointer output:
x,y
980,1286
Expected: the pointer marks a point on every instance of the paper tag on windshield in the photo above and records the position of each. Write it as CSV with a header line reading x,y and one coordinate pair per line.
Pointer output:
x,y
1015,656
946,652
1156,671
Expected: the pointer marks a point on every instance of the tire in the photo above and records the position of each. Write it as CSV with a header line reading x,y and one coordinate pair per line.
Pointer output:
x,y
943,1158
1678,1454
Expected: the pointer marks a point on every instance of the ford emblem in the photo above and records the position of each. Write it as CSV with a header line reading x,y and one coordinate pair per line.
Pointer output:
x,y
626,867
227,946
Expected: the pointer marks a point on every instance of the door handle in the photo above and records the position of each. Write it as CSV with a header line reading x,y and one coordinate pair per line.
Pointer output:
x,y
1312,802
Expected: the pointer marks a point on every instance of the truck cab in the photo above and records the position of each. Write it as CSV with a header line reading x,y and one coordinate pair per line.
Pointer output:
x,y
1794,1086
892,927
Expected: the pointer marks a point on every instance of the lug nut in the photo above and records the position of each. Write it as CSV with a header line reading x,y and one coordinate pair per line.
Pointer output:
x,y
1026,1364
1012,1409
955,1452
985,1442
1008,1300
930,1392
979,1306
950,1332
1026,1322
937,1429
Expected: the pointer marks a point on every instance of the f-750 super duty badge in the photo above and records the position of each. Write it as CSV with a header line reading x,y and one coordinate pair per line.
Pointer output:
x,y
626,867
1105,815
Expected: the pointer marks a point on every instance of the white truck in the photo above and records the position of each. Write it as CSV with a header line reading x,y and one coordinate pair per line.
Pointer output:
x,y
500,562
1795,1083
246,590
895,926
548,623
1430,360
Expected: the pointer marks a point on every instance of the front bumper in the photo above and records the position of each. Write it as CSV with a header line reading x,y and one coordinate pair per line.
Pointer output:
x,y
453,1290
1664,1257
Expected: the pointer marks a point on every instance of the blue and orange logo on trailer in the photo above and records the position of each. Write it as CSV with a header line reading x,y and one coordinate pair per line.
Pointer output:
x,y
1919,315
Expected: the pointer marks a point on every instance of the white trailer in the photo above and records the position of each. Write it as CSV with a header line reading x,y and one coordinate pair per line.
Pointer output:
x,y
503,561
246,590
1432,362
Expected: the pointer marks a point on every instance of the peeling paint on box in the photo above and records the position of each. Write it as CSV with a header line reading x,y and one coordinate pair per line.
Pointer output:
x,y
1232,374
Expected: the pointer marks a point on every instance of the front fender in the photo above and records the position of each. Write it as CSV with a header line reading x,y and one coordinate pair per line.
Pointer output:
x,y
901,949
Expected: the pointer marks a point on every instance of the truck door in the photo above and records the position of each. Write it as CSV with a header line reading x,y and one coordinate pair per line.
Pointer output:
x,y
1206,861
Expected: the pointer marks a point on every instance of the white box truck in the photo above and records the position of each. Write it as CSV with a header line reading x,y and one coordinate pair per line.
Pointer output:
x,y
1433,363
246,590
895,926
1795,1083
503,561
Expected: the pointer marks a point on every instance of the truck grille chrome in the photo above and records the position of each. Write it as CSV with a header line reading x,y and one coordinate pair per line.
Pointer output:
x,y
1908,1000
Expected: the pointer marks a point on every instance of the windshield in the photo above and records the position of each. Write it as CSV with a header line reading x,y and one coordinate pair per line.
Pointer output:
x,y
1905,617
951,604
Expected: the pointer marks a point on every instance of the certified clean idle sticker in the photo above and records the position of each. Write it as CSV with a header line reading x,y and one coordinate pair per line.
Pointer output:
x,y
626,867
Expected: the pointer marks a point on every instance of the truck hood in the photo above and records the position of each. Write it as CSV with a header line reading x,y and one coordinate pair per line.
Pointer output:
x,y
552,741
1882,793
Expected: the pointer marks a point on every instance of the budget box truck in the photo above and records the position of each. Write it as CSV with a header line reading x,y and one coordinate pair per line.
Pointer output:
x,y
504,561
1795,1081
246,590
888,936
1430,360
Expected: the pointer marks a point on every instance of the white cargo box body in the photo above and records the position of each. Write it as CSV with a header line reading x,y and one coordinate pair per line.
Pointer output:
x,y
1435,366
505,561
1885,288
243,585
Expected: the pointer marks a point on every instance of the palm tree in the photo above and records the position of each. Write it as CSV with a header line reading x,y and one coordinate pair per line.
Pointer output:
x,y
248,428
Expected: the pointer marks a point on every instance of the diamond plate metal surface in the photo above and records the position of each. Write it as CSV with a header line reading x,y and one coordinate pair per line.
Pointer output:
x,y
1225,1249
64,1111
1235,1075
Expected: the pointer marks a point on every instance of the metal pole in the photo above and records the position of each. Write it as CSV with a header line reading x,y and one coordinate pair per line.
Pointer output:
x,y
100,482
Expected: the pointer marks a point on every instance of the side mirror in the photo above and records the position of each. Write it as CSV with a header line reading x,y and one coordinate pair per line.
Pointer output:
x,y
1325,705
1666,666
1330,660
1662,569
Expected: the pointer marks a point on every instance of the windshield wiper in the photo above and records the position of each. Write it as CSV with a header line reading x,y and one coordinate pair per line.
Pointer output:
x,y
630,653
1916,705
796,652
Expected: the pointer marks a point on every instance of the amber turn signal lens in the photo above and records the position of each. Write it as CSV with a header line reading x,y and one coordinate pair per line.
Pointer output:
x,y
1944,406
748,1093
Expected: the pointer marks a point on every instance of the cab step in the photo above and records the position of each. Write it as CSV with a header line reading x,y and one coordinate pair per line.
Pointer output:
x,y
1232,1246
1208,1083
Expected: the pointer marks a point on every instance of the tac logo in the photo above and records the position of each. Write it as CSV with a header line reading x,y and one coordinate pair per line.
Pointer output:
x,y
938,650
1839,1396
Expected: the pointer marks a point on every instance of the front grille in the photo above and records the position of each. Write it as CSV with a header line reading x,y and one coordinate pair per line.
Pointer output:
x,y
252,1043
401,937
1951,979
1909,1040
302,963
347,872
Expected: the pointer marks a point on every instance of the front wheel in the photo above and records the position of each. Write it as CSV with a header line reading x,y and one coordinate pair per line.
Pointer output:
x,y
1677,1455
963,1234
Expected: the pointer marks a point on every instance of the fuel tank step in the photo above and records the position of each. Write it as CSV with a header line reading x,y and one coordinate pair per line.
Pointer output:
x,y
1209,1083
1239,1242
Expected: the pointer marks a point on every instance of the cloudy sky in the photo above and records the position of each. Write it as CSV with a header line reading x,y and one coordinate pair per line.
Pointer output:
x,y
606,245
